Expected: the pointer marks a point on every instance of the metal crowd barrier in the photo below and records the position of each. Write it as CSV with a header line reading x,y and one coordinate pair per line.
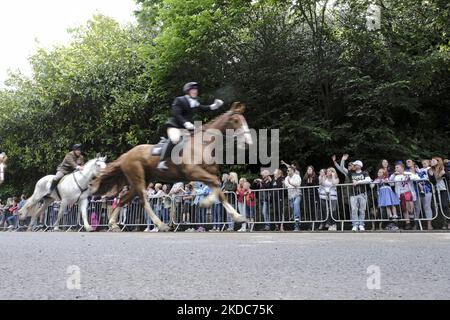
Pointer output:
x,y
273,209
276,207
98,214
444,208
189,213
367,195
69,219
132,215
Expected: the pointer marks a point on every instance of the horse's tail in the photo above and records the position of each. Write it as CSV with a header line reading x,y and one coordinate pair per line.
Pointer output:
x,y
111,181
38,193
23,212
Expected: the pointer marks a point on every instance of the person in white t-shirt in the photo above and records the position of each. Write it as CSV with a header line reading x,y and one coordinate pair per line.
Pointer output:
x,y
293,183
404,189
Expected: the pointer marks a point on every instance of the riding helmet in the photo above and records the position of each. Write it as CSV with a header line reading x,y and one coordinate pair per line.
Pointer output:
x,y
189,86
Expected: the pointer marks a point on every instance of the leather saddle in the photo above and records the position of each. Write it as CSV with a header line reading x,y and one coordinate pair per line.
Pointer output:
x,y
157,149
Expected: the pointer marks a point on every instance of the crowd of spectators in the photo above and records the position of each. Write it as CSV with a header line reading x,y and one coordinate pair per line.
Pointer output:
x,y
286,199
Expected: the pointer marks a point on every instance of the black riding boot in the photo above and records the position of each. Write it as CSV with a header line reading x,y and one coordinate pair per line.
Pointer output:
x,y
52,186
165,153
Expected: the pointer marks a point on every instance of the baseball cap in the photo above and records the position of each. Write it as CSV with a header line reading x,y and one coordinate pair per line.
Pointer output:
x,y
358,163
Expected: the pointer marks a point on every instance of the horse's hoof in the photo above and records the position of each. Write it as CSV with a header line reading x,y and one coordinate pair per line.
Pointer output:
x,y
164,228
88,229
115,228
56,230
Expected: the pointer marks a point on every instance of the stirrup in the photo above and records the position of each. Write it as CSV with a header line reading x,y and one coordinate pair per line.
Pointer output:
x,y
162,165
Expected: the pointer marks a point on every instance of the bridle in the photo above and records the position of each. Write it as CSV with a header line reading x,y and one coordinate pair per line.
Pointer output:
x,y
83,176
242,131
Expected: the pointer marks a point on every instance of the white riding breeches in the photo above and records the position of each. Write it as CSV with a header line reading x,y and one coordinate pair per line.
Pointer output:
x,y
175,134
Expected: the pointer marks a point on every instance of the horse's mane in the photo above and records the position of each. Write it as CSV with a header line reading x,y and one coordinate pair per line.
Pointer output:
x,y
210,123
111,180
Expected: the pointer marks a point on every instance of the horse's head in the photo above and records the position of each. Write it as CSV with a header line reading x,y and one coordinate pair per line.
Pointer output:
x,y
100,163
237,122
96,165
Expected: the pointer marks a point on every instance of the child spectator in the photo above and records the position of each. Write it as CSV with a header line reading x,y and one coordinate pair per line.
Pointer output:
x,y
387,199
425,191
249,197
405,191
240,191
384,164
328,199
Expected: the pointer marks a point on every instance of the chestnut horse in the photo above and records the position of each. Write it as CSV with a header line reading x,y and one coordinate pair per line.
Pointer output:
x,y
137,167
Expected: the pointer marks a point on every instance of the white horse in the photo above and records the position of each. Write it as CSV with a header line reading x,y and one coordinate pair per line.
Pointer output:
x,y
72,188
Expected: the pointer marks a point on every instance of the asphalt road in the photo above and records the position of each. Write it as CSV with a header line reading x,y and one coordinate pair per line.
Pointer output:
x,y
224,266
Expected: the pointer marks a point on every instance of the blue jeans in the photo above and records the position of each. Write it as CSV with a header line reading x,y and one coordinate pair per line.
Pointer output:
x,y
157,212
12,220
200,214
217,214
265,212
358,204
294,204
165,215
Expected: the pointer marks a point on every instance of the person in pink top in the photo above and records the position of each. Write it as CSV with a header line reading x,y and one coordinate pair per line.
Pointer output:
x,y
240,192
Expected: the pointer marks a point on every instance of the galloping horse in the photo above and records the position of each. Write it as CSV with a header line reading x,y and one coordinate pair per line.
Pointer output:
x,y
137,167
3,159
73,188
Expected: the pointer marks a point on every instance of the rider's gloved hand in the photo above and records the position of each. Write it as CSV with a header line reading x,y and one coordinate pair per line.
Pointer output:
x,y
189,126
217,104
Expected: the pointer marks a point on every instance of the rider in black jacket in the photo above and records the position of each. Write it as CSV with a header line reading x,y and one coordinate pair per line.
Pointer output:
x,y
183,109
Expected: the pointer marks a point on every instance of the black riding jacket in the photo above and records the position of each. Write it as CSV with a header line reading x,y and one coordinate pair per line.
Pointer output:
x,y
182,112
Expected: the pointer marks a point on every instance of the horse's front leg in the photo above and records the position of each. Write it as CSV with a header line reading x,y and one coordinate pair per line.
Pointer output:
x,y
32,212
83,203
161,225
228,207
112,223
196,173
